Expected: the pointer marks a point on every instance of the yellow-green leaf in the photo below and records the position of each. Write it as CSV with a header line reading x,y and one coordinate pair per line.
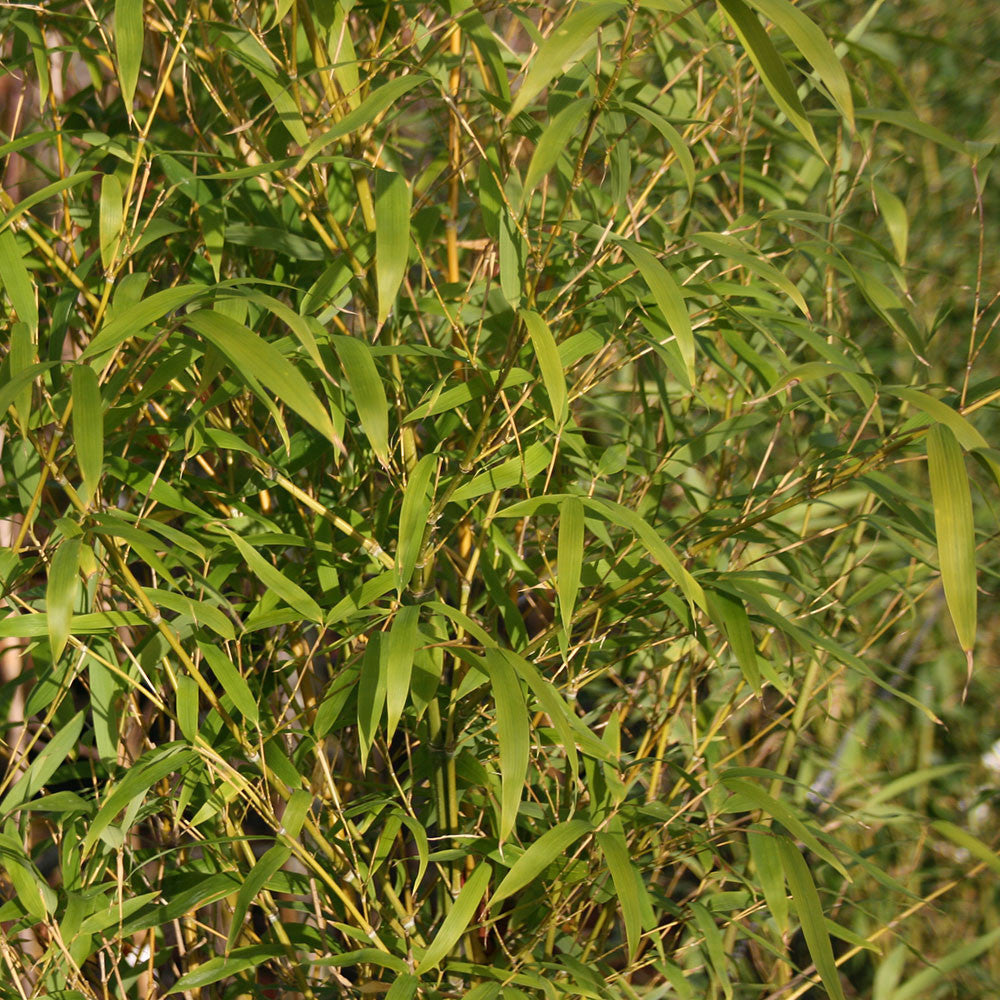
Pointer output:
x,y
513,736
953,527
540,854
392,237
232,681
553,141
60,593
110,226
88,428
398,650
368,392
549,364
16,280
413,518
570,553
128,47
459,917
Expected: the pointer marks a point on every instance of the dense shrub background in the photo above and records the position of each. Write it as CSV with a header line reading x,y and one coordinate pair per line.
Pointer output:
x,y
498,500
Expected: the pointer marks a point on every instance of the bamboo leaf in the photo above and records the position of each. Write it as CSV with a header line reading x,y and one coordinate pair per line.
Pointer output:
x,y
413,518
260,359
970,842
398,651
459,917
110,224
765,58
673,137
953,526
392,237
270,862
510,250
22,357
521,468
88,428
628,884
570,556
540,854
770,874
668,297
291,593
958,956
566,43
810,913
549,364
714,946
404,988
513,736
893,213
369,394
806,36
232,681
34,778
17,281
128,46
60,593
729,613
372,683
553,141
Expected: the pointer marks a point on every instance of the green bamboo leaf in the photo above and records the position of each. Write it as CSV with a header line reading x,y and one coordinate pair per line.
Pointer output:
x,y
368,392
514,471
413,518
291,593
60,593
965,432
22,357
128,47
110,219
510,250
151,768
121,325
729,614
547,353
570,556
404,988
714,946
628,884
553,141
966,840
810,913
187,707
44,766
232,681
372,684
88,428
953,526
673,137
17,281
958,956
513,736
783,814
238,960
540,854
893,213
458,920
398,651
260,359
669,299
392,237
770,874
44,194
370,108
806,36
765,58
33,893
576,34
270,862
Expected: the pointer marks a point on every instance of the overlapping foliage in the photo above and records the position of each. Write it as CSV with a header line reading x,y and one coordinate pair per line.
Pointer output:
x,y
495,503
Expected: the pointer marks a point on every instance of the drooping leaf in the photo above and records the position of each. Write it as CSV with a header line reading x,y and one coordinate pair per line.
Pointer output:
x,y
398,650
541,853
570,556
368,392
128,46
392,237
61,591
88,428
513,736
547,354
459,917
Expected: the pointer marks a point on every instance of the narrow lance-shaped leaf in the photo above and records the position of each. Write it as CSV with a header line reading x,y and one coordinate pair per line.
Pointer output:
x,y
110,226
269,863
88,428
549,364
128,47
60,593
765,58
570,554
368,392
953,526
550,846
459,917
232,681
22,356
413,518
392,236
810,913
627,882
731,616
566,42
16,280
553,141
667,294
513,735
398,650
261,359
371,694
